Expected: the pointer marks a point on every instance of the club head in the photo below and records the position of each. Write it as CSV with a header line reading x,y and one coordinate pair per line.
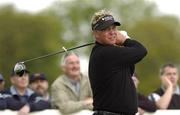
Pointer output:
x,y
19,69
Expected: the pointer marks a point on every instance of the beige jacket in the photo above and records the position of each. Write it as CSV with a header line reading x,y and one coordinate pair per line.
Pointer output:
x,y
64,97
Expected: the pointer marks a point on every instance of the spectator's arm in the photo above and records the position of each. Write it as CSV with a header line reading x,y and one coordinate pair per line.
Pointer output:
x,y
39,104
146,104
165,99
13,104
3,104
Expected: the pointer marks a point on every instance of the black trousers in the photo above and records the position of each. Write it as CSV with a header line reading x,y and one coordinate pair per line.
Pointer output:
x,y
110,113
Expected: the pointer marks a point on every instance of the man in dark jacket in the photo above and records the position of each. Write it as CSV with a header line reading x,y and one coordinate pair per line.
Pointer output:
x,y
39,84
144,104
111,66
20,97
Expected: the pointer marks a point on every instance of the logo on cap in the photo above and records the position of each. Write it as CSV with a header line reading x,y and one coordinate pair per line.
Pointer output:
x,y
104,23
107,18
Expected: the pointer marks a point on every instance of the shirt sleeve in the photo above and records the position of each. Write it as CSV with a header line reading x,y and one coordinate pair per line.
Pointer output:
x,y
146,104
3,104
39,104
131,52
154,97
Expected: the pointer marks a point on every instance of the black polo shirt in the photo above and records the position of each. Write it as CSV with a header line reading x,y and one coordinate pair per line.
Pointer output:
x,y
110,71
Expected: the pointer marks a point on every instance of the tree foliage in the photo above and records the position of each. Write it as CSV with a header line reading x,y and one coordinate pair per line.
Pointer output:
x,y
68,24
159,34
142,21
24,36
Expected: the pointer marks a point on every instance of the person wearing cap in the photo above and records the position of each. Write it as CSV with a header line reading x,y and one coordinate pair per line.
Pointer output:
x,y
168,95
3,104
71,91
21,98
111,65
39,84
2,83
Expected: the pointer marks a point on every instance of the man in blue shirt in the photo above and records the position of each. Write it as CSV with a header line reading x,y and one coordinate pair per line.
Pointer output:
x,y
20,97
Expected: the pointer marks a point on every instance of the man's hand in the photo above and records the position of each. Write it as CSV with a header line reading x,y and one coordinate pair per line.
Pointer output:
x,y
121,37
24,110
88,101
140,111
166,82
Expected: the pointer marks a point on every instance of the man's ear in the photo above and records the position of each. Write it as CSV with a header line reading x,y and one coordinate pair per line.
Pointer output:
x,y
95,34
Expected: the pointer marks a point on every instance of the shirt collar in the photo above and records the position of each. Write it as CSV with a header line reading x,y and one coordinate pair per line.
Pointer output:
x,y
176,91
71,80
28,92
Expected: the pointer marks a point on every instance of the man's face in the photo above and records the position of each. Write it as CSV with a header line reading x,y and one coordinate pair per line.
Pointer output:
x,y
40,86
171,74
20,82
2,83
71,66
106,36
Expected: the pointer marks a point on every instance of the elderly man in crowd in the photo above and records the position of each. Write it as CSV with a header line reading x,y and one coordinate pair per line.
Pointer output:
x,y
71,91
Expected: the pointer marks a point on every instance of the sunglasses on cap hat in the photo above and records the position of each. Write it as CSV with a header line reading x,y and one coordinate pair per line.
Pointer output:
x,y
19,69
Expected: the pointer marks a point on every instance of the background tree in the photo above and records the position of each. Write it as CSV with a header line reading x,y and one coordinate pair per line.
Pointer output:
x,y
161,37
142,21
23,36
68,24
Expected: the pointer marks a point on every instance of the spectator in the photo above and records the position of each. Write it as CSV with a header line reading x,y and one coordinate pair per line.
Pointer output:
x,y
39,84
3,104
20,97
71,91
168,95
144,104
2,83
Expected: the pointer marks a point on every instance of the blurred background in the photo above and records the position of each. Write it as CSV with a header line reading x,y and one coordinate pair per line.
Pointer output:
x,y
33,28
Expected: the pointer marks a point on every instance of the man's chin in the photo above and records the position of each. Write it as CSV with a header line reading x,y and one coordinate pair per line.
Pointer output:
x,y
113,41
75,73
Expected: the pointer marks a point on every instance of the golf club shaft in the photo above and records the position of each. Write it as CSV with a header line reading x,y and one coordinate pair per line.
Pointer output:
x,y
58,52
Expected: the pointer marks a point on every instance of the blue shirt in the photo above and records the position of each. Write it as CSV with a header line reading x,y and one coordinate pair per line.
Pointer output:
x,y
15,101
23,98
